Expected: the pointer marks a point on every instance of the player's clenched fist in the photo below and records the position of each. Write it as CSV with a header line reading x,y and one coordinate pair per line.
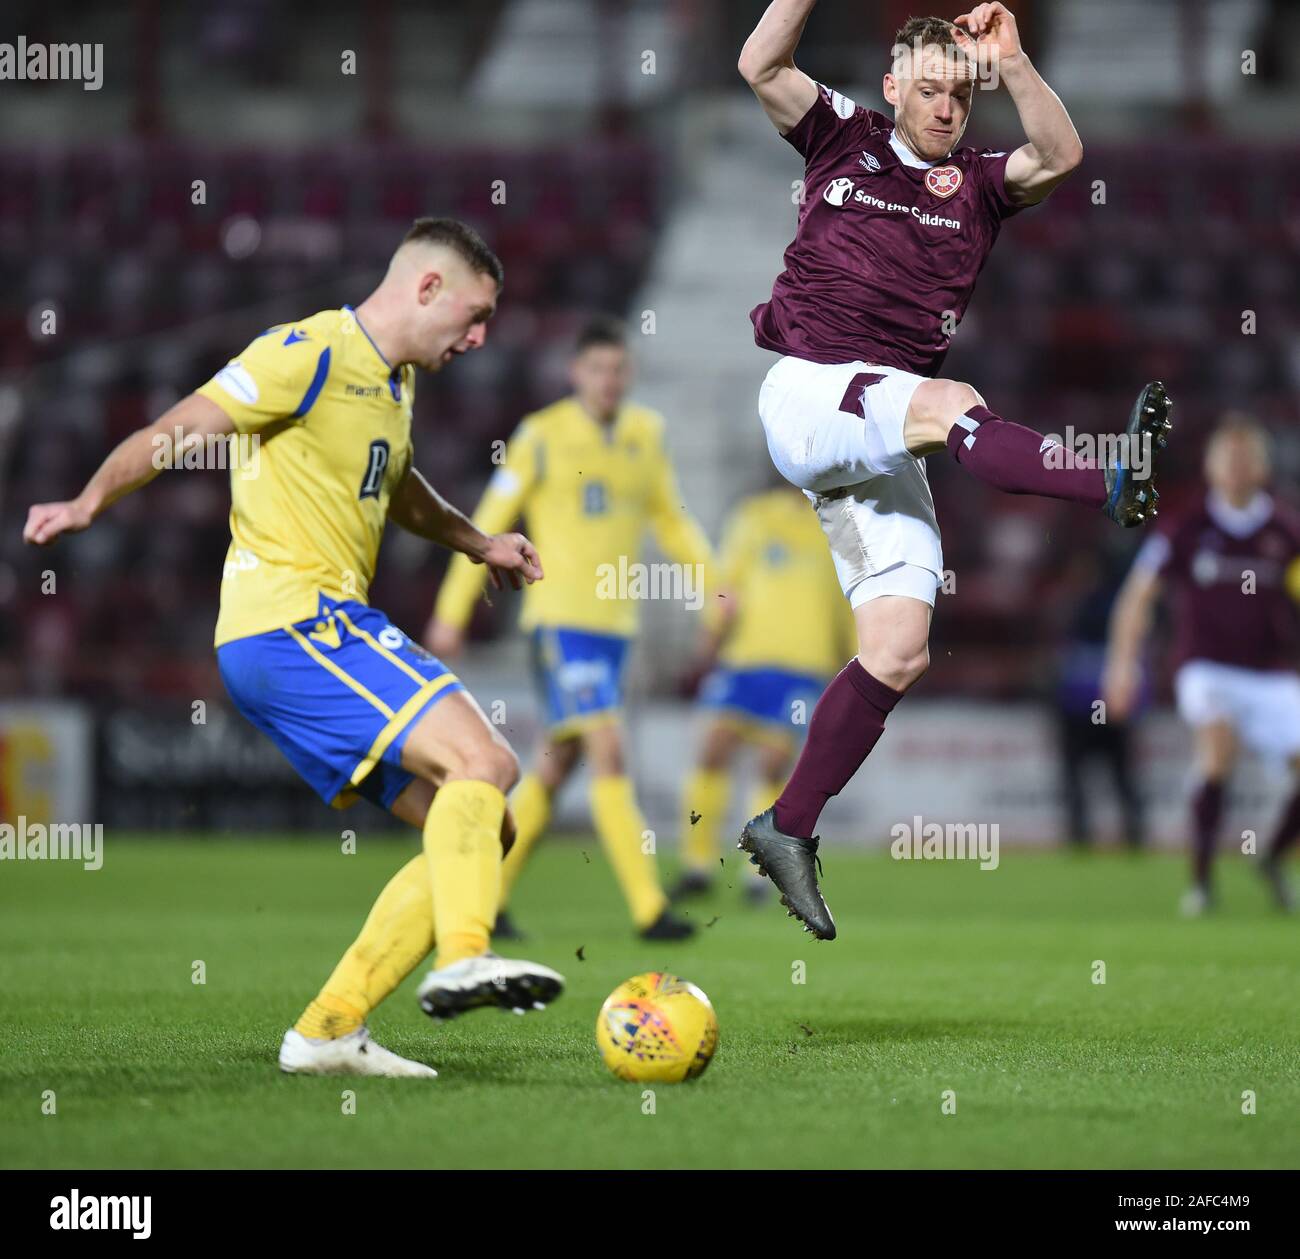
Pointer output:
x,y
46,521
513,555
989,26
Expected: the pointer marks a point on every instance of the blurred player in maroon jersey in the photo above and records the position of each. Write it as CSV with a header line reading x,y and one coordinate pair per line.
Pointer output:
x,y
1231,566
895,223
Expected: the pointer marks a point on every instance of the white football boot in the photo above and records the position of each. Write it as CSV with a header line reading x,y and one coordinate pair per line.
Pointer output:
x,y
488,980
353,1054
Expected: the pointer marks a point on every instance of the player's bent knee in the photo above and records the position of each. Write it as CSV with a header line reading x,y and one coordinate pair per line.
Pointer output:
x,y
897,669
502,768
911,668
491,761
935,406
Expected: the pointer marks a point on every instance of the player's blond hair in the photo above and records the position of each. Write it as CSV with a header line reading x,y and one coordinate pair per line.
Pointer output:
x,y
929,30
920,33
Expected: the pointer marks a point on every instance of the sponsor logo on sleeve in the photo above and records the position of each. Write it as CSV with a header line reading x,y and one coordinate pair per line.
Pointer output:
x,y
843,107
236,381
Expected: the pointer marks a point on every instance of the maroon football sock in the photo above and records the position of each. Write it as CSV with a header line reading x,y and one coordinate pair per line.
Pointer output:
x,y
1288,829
1207,812
846,723
1015,459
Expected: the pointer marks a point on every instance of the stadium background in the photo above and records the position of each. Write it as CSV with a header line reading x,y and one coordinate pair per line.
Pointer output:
x,y
640,178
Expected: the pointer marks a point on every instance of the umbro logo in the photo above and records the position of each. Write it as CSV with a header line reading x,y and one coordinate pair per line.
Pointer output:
x,y
870,162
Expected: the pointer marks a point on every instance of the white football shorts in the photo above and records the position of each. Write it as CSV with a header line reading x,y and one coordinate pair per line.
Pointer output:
x,y
1262,705
836,431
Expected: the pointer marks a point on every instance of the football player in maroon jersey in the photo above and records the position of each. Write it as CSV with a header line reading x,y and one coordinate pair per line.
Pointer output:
x,y
896,221
1230,566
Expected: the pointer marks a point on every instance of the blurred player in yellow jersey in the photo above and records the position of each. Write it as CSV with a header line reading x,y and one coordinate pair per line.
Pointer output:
x,y
779,631
590,474
355,705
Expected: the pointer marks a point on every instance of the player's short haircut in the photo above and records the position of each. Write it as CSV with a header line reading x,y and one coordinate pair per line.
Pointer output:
x,y
462,240
601,330
921,32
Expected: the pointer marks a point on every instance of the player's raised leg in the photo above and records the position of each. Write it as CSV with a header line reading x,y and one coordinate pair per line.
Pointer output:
x,y
1018,460
456,748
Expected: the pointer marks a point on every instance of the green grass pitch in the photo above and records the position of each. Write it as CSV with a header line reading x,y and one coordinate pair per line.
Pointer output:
x,y
944,978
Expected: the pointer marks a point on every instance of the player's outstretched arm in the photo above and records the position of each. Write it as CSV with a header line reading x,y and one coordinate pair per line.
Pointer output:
x,y
419,509
1130,622
504,501
767,63
134,462
1054,148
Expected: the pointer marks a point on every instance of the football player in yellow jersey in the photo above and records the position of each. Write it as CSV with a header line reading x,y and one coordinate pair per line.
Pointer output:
x,y
779,630
590,474
356,706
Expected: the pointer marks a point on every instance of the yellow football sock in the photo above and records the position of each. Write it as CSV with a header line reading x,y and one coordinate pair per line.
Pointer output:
x,y
620,825
704,809
462,841
763,797
398,933
531,805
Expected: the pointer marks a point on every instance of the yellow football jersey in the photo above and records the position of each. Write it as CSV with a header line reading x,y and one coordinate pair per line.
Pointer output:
x,y
332,422
587,492
791,613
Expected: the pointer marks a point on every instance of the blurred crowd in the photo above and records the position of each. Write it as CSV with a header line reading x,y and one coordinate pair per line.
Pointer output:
x,y
131,270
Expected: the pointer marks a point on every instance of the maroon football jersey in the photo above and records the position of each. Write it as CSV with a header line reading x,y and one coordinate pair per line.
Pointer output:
x,y
883,249
1226,573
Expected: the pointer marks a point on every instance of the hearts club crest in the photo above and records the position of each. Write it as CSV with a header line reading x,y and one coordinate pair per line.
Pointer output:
x,y
943,181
